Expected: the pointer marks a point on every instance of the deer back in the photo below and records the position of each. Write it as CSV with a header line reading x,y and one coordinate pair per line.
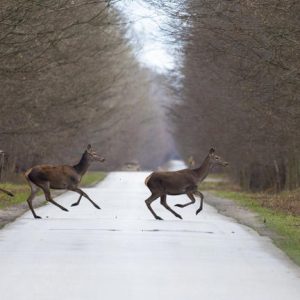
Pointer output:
x,y
59,177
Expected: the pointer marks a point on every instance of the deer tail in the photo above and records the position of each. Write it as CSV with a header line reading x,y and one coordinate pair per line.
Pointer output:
x,y
147,179
27,173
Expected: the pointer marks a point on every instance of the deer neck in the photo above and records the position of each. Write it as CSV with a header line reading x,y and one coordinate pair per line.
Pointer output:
x,y
83,164
204,169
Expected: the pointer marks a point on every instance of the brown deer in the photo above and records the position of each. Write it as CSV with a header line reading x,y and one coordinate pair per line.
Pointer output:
x,y
62,177
2,155
180,182
7,192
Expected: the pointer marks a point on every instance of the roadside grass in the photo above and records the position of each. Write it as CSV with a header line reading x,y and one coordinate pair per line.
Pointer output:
x,y
218,185
218,176
91,178
280,212
21,190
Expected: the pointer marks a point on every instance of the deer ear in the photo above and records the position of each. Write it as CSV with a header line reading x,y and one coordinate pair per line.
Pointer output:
x,y
212,150
89,147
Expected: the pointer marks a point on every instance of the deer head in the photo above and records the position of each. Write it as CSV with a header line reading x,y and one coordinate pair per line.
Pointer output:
x,y
92,155
215,159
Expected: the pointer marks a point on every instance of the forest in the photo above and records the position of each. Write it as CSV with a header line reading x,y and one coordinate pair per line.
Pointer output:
x,y
69,77
241,88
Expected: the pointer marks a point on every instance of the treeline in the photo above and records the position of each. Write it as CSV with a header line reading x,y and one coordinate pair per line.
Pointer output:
x,y
68,78
241,88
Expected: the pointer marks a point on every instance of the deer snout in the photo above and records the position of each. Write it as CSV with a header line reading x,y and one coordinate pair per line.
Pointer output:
x,y
98,158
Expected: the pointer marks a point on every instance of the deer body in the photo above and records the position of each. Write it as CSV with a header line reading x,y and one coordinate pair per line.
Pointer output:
x,y
172,183
180,182
60,177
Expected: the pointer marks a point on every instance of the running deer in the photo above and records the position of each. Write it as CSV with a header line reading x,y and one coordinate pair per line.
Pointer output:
x,y
6,192
2,159
62,177
180,182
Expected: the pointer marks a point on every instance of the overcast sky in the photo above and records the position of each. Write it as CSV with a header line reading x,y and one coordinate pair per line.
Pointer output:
x,y
146,32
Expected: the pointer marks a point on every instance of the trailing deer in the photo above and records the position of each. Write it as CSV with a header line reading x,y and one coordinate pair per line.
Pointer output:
x,y
62,177
180,182
2,154
7,192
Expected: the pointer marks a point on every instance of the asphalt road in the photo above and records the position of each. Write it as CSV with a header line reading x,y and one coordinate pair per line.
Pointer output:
x,y
121,252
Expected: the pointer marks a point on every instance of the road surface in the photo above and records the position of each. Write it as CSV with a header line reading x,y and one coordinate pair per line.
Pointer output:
x,y
121,252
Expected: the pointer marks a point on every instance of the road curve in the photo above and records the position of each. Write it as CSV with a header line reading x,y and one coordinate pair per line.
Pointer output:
x,y
121,252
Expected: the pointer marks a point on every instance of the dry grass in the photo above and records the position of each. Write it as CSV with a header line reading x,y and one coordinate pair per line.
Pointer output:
x,y
285,202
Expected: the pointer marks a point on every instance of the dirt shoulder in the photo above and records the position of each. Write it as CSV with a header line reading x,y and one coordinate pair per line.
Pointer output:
x,y
9,214
269,215
242,215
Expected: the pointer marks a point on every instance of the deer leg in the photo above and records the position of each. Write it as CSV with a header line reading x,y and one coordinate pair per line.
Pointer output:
x,y
77,203
82,193
163,202
198,193
46,190
7,192
33,192
148,203
193,200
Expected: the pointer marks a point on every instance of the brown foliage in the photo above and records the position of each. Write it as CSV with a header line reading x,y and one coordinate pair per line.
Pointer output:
x,y
69,78
241,88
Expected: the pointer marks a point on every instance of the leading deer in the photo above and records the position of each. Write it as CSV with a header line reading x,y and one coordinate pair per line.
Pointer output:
x,y
62,177
180,182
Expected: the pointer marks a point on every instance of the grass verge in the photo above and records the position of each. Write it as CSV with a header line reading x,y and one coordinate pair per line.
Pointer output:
x,y
91,178
21,190
280,212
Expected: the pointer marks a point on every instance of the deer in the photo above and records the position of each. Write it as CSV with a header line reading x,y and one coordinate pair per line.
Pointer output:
x,y
60,177
3,153
180,182
6,192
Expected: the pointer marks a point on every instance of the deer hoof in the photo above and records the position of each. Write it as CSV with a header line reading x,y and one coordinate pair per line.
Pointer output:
x,y
178,216
179,205
11,194
197,212
97,206
37,217
158,218
74,204
64,209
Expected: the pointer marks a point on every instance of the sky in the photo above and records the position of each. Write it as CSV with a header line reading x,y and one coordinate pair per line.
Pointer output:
x,y
153,47
146,32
